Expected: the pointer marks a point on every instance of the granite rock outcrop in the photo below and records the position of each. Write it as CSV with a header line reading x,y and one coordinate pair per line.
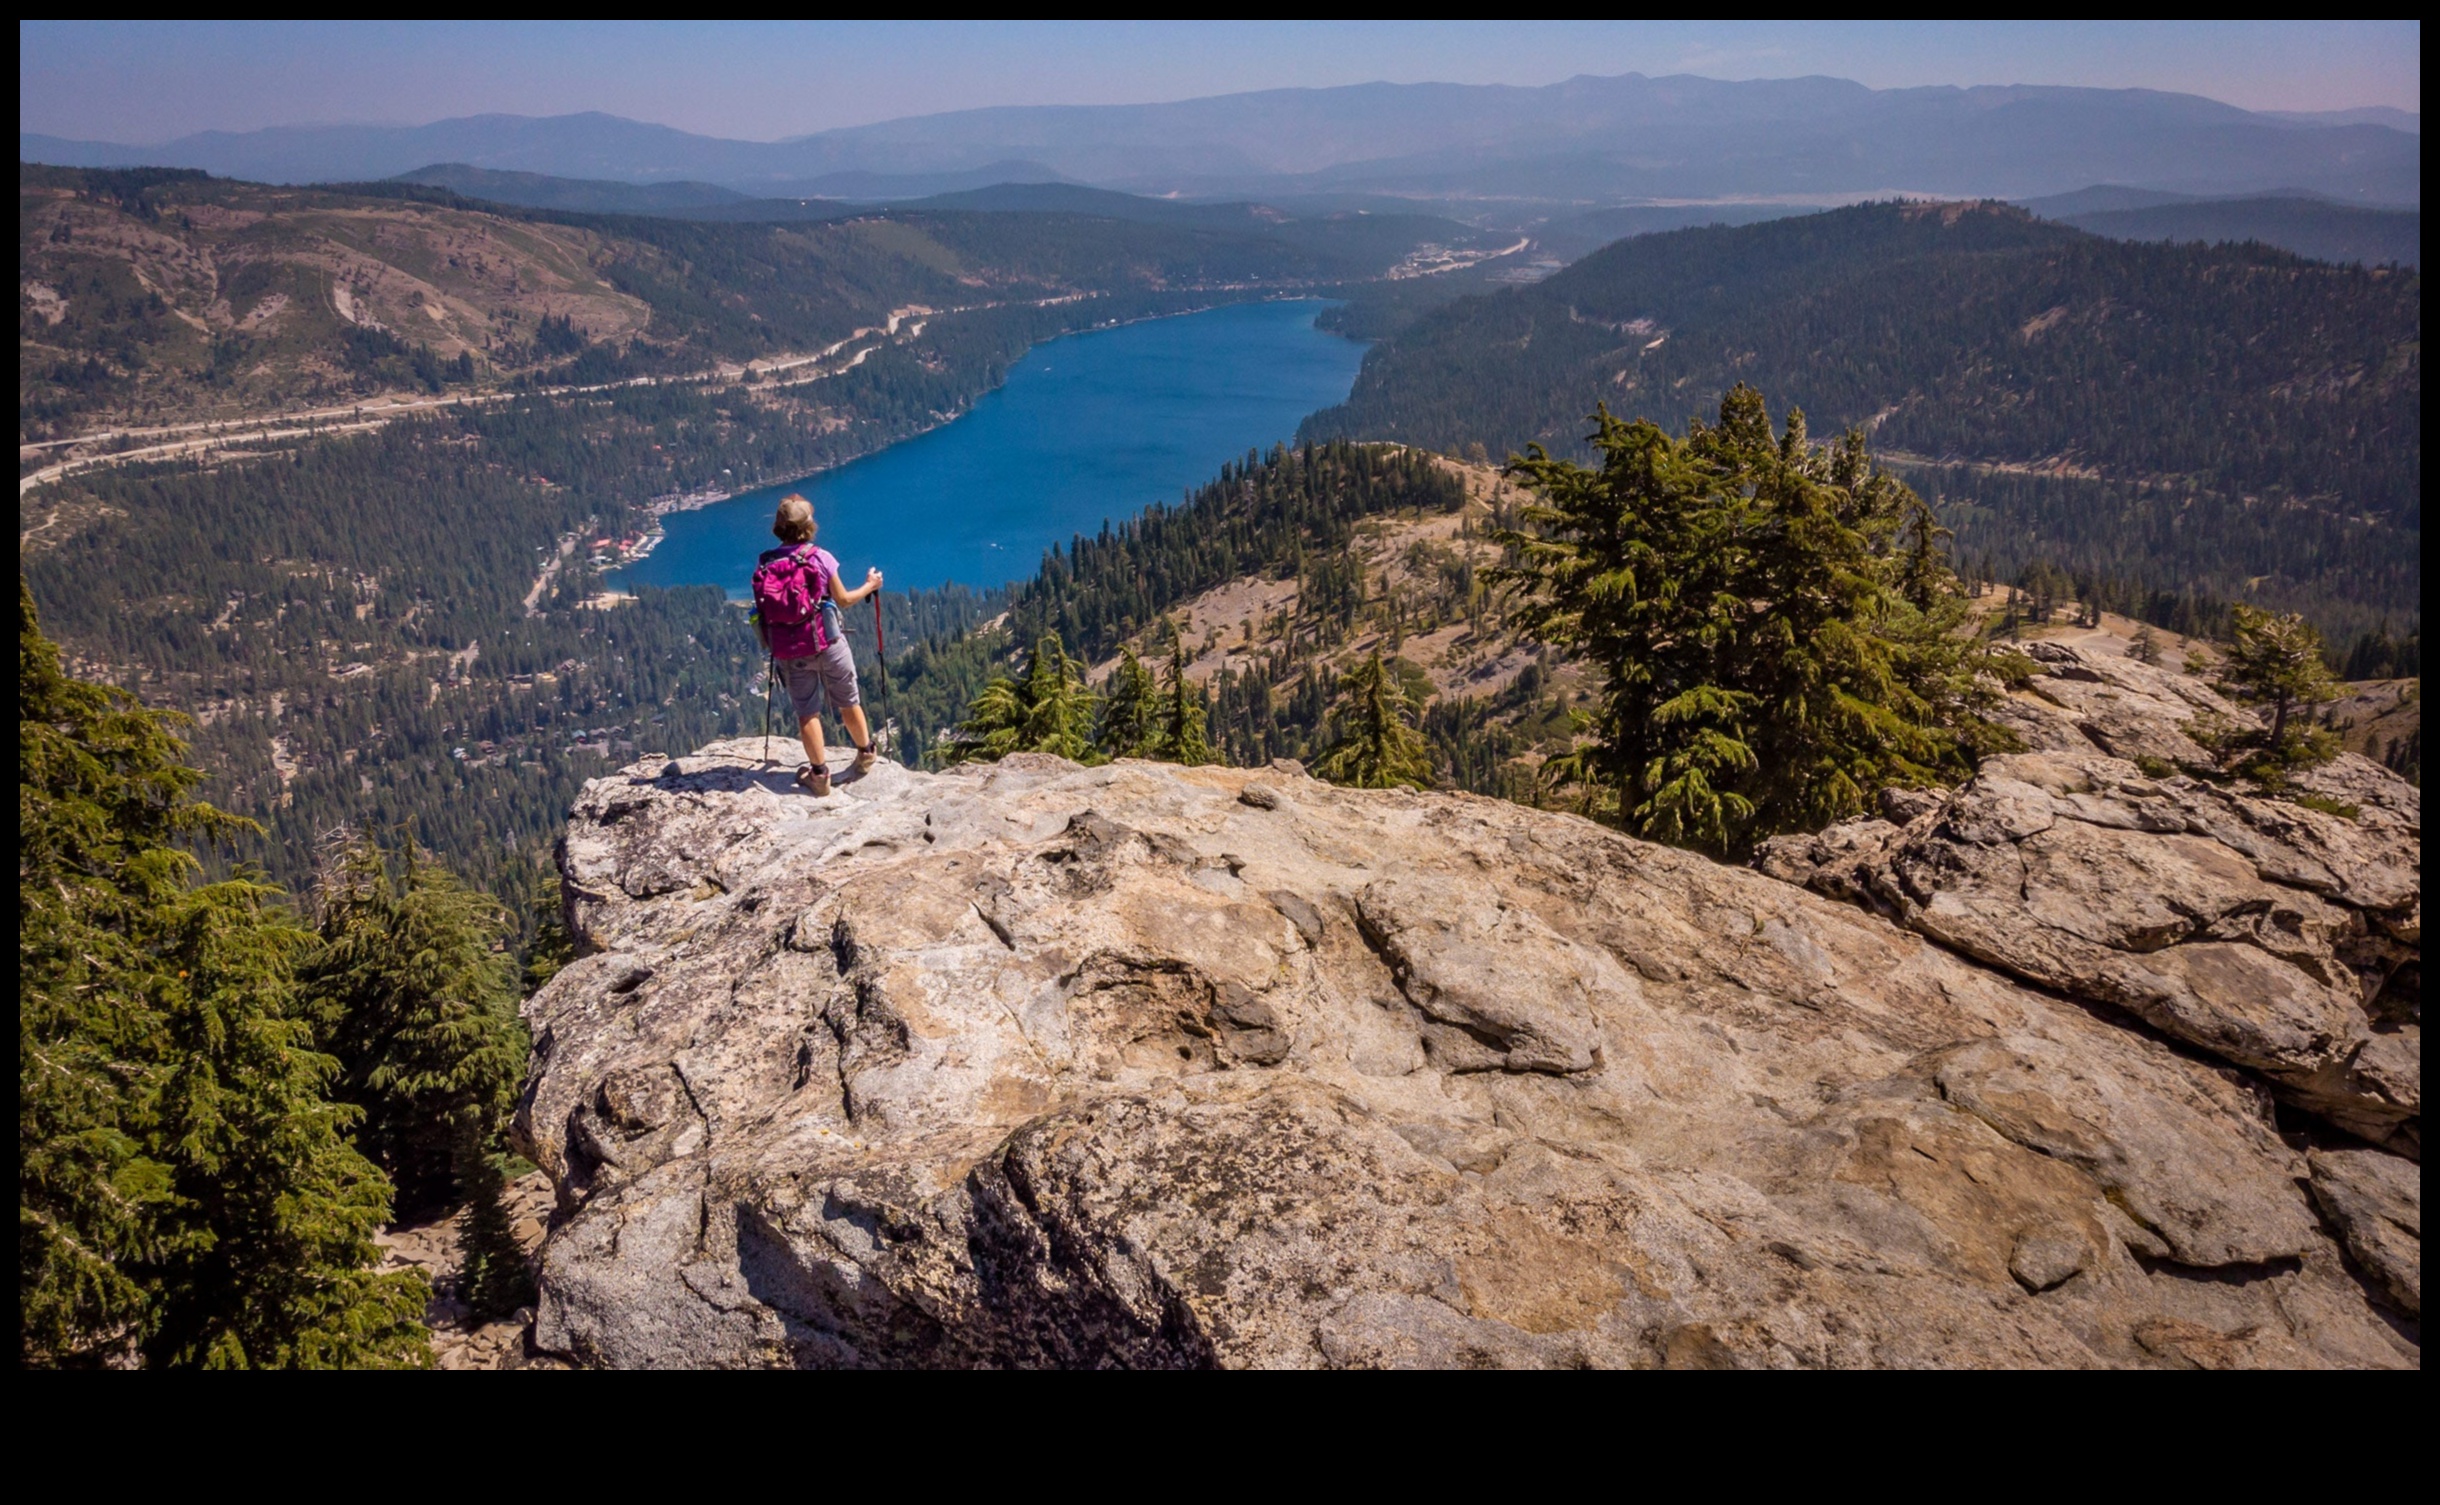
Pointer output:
x,y
2279,933
1036,1064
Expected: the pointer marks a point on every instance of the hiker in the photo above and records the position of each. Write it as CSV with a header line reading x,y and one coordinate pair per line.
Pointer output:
x,y
797,596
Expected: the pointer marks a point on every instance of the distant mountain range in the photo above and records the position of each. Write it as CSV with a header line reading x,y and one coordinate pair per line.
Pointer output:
x,y
1588,140
710,201
2307,224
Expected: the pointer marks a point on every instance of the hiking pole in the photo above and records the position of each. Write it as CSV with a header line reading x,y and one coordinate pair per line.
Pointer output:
x,y
770,686
881,654
881,646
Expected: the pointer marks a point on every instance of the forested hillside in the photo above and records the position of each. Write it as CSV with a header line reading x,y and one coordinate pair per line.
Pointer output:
x,y
391,628
2307,226
2227,417
148,296
1262,588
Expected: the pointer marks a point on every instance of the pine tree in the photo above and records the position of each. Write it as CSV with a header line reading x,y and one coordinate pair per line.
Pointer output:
x,y
1181,737
2276,661
493,1278
1049,711
2146,647
548,945
1130,720
416,991
1376,748
1752,603
1923,574
186,1195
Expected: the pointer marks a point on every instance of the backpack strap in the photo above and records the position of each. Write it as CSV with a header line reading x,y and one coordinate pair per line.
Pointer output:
x,y
811,558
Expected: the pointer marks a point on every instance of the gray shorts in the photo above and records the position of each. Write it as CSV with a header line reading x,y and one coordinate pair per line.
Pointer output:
x,y
830,673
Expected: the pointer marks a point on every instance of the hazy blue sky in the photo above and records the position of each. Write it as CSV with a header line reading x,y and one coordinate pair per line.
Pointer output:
x,y
147,81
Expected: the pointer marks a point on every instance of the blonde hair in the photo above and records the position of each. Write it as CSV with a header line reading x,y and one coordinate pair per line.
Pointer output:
x,y
795,522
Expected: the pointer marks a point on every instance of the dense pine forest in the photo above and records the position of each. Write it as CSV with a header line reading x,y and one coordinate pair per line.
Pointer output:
x,y
382,630
224,1089
2223,419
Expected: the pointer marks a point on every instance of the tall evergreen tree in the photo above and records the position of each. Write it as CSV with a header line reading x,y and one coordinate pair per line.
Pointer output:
x,y
1746,597
186,1195
415,990
1376,748
1049,710
1130,717
1182,737
493,1278
415,987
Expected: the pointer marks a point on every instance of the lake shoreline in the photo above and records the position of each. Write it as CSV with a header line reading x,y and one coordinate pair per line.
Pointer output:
x,y
670,503
1254,367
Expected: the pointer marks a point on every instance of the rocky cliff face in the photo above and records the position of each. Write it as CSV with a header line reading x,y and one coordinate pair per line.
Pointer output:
x,y
1036,1064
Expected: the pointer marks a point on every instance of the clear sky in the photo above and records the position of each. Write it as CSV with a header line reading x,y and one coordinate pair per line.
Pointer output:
x,y
142,82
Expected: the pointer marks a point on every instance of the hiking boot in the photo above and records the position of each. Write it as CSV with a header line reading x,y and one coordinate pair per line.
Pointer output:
x,y
865,759
815,779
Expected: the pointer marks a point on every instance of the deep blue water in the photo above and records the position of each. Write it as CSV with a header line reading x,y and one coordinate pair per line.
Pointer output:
x,y
1087,428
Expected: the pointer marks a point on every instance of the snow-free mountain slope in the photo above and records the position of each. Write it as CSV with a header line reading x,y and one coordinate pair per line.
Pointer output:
x,y
1600,138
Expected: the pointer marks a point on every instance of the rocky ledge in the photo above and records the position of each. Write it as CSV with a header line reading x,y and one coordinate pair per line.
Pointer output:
x,y
1035,1064
2282,936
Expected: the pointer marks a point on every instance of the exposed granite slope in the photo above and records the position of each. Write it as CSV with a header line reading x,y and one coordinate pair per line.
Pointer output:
x,y
1139,1065
2278,937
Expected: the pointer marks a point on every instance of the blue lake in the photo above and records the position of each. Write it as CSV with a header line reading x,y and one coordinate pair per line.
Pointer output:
x,y
1088,428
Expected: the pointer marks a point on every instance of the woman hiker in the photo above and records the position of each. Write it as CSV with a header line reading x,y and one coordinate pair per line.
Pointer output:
x,y
797,596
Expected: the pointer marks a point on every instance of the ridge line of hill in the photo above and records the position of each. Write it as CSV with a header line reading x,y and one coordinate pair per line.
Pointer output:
x,y
2224,419
154,299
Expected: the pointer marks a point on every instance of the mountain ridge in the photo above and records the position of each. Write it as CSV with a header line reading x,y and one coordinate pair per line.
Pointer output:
x,y
1623,136
2121,408
153,295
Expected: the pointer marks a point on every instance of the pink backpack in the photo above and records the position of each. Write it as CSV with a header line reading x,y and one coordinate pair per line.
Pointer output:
x,y
788,593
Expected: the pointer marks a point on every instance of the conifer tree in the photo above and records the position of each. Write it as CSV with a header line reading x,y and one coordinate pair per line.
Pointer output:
x,y
416,988
1130,719
186,1195
1049,710
416,991
1924,576
1751,600
2276,661
1376,748
1182,737
548,946
493,1279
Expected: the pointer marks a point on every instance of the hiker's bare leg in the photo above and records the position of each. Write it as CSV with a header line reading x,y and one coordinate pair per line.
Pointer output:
x,y
810,729
862,736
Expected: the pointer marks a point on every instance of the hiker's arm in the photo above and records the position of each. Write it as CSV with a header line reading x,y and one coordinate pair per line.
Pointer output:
x,y
845,597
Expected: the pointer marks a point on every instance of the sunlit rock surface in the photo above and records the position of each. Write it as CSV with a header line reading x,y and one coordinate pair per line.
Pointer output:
x,y
1042,1065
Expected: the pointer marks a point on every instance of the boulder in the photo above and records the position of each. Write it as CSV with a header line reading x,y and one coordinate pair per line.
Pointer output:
x,y
1032,1064
2279,936
2376,1203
